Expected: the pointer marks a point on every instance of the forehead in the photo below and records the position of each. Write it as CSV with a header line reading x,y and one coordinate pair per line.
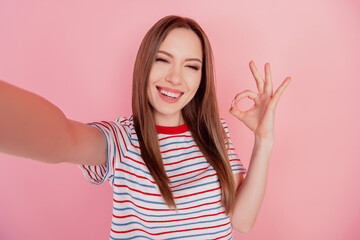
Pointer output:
x,y
182,42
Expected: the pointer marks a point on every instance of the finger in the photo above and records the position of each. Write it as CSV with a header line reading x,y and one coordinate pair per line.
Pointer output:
x,y
280,91
257,76
237,113
234,110
245,94
268,88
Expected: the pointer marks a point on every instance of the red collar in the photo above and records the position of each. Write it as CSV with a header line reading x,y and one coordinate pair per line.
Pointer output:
x,y
172,130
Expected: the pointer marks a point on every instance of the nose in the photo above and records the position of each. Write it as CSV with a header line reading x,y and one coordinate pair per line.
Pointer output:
x,y
174,76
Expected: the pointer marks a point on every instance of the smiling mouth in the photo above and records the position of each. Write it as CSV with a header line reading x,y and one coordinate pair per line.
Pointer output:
x,y
169,94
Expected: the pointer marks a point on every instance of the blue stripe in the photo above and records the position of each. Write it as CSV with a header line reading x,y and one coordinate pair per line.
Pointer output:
x,y
185,166
139,169
112,182
167,215
177,142
139,199
169,226
195,186
239,169
203,234
188,236
163,203
179,155
237,165
107,152
135,139
132,181
93,171
101,172
172,156
120,140
135,153
192,177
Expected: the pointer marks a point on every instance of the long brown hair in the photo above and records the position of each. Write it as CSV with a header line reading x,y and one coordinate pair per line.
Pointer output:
x,y
201,113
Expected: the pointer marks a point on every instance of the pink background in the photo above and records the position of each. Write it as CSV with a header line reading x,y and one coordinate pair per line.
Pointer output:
x,y
80,55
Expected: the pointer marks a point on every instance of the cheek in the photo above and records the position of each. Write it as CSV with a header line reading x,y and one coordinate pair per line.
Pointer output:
x,y
151,77
157,72
195,83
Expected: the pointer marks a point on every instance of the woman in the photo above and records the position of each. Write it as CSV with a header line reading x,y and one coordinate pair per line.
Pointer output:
x,y
172,166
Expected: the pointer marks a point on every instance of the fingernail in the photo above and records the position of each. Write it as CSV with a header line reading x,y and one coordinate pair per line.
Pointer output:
x,y
232,104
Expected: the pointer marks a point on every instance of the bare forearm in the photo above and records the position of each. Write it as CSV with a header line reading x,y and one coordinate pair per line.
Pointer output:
x,y
250,194
30,126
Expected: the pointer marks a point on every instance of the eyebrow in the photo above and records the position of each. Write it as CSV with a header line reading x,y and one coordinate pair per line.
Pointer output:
x,y
187,59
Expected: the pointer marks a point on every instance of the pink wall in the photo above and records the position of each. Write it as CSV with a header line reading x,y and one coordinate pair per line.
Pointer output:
x,y
80,54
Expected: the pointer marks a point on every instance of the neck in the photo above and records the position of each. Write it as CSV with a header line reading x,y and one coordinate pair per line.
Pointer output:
x,y
169,121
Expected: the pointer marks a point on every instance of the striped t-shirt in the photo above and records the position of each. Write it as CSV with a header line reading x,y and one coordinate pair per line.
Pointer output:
x,y
139,212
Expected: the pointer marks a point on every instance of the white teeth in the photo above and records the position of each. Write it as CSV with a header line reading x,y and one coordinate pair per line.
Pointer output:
x,y
169,94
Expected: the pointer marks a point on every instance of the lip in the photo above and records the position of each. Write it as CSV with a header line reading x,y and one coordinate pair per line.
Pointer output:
x,y
169,89
168,99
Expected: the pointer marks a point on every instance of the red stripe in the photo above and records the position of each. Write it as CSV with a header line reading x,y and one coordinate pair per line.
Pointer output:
x,y
193,180
165,221
95,167
168,232
123,120
235,159
116,140
160,210
102,123
188,136
89,174
103,168
197,193
184,160
123,135
137,161
175,149
225,235
159,195
165,164
197,170
135,190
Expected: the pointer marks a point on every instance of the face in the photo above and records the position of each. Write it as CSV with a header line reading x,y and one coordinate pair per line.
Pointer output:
x,y
175,76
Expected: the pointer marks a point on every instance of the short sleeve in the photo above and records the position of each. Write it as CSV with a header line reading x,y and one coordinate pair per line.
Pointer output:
x,y
117,140
235,162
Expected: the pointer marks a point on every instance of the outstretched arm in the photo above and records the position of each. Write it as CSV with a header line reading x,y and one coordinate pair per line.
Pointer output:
x,y
260,119
32,127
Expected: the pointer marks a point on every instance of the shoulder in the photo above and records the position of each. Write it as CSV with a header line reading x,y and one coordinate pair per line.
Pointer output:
x,y
126,122
125,125
121,126
224,124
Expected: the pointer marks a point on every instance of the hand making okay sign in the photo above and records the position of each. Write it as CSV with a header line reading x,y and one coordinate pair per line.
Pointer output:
x,y
260,117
